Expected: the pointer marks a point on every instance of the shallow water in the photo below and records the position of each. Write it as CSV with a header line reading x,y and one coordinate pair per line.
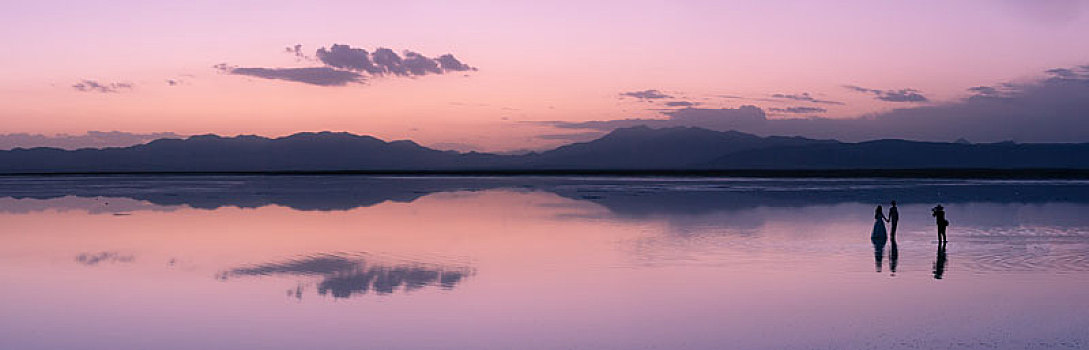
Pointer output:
x,y
348,262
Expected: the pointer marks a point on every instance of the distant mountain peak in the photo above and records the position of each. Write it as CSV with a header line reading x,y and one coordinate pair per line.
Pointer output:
x,y
643,147
326,135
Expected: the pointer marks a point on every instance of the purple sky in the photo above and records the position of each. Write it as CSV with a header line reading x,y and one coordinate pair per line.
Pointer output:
x,y
528,73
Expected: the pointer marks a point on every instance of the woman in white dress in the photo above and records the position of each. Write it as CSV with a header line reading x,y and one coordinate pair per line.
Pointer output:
x,y
878,237
879,220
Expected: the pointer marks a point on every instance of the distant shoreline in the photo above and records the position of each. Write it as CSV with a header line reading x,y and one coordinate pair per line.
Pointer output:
x,y
994,174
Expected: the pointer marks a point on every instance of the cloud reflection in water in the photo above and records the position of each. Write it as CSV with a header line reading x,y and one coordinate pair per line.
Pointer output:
x,y
345,275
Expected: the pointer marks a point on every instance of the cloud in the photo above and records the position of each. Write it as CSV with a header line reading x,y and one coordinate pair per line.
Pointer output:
x,y
345,64
91,259
345,57
1050,109
297,51
984,90
321,76
449,63
389,62
94,86
680,104
902,95
178,81
92,139
1068,73
798,110
805,97
719,119
385,61
646,94
575,137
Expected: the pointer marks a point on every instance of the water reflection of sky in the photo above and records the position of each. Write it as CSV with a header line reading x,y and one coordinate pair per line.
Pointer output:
x,y
495,263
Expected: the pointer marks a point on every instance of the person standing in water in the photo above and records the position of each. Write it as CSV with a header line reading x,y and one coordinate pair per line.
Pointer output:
x,y
939,218
878,237
894,254
894,216
879,220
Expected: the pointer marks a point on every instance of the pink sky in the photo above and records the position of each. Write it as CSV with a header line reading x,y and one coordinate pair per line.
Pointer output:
x,y
537,61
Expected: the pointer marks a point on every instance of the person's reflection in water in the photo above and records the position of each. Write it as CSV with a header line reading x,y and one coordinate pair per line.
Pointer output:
x,y
894,255
939,262
878,250
879,237
894,217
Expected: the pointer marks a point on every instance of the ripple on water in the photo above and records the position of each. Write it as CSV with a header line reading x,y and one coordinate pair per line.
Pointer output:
x,y
1025,249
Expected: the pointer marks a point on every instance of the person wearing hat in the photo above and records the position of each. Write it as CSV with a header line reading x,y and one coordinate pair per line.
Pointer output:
x,y
939,217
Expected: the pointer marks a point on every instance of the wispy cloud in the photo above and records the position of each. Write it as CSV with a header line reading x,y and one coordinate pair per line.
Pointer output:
x,y
680,104
645,94
321,76
94,86
718,118
576,137
798,110
804,97
296,50
91,259
901,95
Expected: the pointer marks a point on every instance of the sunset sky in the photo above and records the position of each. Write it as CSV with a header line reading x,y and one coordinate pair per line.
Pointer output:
x,y
540,70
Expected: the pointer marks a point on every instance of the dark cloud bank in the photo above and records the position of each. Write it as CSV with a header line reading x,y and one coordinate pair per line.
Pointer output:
x,y
345,65
1051,109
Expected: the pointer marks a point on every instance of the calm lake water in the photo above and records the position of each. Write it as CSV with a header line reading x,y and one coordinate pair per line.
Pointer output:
x,y
357,262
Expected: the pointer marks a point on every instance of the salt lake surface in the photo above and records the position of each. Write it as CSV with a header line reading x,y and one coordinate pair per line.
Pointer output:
x,y
353,262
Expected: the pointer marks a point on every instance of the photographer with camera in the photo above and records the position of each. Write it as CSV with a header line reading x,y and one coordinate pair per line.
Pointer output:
x,y
938,213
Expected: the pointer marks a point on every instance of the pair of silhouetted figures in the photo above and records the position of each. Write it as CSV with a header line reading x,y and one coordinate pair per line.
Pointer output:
x,y
879,237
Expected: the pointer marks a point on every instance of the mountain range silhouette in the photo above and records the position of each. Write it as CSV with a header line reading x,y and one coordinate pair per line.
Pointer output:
x,y
635,148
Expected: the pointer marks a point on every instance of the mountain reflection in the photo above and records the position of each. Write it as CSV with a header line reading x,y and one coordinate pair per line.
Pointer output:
x,y
627,197
344,275
1009,225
